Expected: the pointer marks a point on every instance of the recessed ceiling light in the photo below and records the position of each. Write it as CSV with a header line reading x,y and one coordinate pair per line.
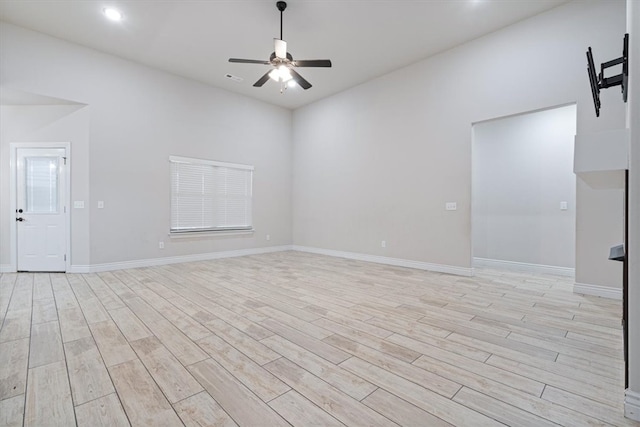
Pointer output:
x,y
112,14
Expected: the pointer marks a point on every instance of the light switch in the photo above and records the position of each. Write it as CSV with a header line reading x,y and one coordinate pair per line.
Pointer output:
x,y
78,204
100,204
563,206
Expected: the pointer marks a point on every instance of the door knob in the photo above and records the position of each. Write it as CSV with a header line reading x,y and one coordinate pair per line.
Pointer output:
x,y
20,211
20,219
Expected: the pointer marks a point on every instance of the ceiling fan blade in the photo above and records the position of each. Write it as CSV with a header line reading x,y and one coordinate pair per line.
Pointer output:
x,y
312,63
280,48
262,80
249,61
299,79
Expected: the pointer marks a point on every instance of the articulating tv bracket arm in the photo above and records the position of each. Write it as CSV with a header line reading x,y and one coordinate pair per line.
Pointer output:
x,y
601,82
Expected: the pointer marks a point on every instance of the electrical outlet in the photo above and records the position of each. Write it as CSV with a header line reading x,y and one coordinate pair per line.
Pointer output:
x,y
383,244
451,206
100,204
564,206
161,245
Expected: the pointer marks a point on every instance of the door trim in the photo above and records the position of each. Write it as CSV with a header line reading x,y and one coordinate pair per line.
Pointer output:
x,y
13,193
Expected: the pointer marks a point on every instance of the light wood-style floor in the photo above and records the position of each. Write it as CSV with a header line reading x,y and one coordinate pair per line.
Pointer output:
x,y
301,339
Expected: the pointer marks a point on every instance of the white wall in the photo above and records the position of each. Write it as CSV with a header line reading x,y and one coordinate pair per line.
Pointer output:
x,y
522,169
138,117
380,160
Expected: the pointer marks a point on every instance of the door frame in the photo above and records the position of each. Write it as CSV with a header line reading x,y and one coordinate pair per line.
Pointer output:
x,y
517,266
13,194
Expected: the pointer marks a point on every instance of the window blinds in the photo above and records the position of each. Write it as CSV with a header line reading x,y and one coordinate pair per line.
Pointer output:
x,y
210,196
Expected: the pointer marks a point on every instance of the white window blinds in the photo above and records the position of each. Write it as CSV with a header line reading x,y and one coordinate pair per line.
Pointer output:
x,y
210,196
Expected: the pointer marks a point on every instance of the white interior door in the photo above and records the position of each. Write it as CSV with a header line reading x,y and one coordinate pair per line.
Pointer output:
x,y
40,209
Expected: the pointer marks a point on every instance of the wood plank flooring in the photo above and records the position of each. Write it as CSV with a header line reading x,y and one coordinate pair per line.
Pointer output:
x,y
298,339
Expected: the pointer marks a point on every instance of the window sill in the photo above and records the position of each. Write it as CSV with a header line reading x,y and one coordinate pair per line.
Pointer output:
x,y
197,234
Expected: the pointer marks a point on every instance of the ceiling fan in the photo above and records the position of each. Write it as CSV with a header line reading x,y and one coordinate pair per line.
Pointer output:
x,y
283,63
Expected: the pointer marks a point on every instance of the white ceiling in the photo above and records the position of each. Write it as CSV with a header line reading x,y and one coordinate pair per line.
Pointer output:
x,y
195,38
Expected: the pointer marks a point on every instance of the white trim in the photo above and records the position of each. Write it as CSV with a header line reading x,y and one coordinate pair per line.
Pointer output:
x,y
7,268
523,266
13,233
597,290
177,159
97,268
449,269
632,404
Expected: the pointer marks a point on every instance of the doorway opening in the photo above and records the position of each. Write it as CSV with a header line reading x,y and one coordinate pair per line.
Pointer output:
x,y
40,194
524,192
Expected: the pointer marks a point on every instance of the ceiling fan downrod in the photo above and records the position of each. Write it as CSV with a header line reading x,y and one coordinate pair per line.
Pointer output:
x,y
281,5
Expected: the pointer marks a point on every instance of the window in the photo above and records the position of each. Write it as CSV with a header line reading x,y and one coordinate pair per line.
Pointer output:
x,y
209,196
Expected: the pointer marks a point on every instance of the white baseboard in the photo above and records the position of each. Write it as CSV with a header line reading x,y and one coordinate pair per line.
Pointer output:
x,y
459,271
632,405
6,268
97,268
597,290
523,266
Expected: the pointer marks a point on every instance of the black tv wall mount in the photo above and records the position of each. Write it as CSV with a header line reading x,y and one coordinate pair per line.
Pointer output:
x,y
599,81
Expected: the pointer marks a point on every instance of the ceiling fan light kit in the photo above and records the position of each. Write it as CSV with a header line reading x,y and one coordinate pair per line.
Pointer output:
x,y
282,62
281,74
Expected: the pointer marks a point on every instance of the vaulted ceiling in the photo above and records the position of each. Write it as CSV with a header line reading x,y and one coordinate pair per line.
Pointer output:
x,y
195,38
